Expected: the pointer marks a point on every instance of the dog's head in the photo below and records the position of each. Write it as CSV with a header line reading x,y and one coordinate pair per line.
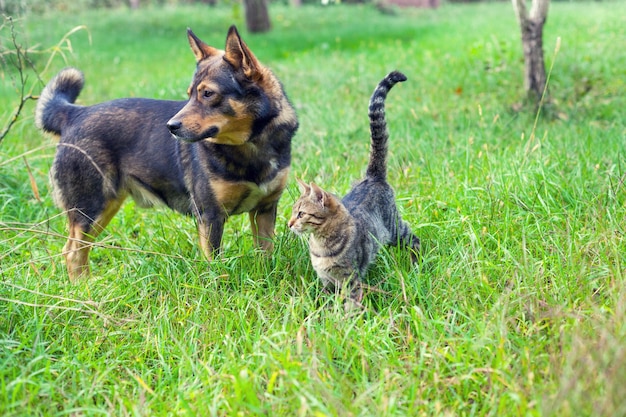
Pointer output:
x,y
230,96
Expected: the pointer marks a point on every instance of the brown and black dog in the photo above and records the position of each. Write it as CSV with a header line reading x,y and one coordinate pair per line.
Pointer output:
x,y
225,151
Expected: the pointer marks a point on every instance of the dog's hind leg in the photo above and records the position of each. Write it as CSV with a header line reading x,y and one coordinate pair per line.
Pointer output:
x,y
262,222
82,233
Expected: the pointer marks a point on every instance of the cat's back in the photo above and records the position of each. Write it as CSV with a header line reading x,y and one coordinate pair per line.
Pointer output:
x,y
372,204
369,194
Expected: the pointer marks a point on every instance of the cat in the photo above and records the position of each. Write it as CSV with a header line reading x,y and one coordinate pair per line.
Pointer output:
x,y
346,234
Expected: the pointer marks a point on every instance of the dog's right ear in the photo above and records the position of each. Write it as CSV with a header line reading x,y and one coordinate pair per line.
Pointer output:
x,y
200,49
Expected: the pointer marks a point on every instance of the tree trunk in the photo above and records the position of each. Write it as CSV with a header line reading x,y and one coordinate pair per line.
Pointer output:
x,y
531,25
257,16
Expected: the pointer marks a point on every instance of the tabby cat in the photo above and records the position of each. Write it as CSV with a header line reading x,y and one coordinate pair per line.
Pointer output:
x,y
346,234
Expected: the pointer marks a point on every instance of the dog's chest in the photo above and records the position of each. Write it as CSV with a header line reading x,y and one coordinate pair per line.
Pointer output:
x,y
244,196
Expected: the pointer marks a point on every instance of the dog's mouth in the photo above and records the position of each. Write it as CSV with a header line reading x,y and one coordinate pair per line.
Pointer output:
x,y
181,134
210,132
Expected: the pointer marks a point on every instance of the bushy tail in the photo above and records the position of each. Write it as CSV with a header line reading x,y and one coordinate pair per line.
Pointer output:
x,y
51,113
377,167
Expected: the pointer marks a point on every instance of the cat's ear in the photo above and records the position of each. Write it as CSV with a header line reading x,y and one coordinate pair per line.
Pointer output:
x,y
318,195
304,187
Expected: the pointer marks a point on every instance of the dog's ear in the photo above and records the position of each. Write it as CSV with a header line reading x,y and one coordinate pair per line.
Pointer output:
x,y
240,56
200,49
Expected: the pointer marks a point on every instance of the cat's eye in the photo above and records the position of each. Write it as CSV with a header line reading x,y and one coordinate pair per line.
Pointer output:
x,y
299,215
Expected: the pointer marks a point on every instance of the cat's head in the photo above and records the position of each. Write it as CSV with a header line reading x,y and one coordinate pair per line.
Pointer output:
x,y
312,209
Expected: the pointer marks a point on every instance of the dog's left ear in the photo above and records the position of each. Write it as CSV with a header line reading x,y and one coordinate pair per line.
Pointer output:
x,y
240,56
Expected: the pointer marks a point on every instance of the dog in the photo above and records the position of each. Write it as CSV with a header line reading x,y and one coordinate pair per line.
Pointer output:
x,y
224,151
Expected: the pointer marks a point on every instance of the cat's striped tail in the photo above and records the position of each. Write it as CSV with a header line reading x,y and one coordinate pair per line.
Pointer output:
x,y
377,166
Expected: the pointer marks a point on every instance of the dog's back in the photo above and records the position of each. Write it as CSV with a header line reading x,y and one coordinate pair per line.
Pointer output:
x,y
118,147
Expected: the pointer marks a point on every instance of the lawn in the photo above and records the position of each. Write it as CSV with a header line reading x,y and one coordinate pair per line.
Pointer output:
x,y
518,304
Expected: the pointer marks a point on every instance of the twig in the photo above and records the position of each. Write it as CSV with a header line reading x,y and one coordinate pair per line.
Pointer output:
x,y
23,63
20,56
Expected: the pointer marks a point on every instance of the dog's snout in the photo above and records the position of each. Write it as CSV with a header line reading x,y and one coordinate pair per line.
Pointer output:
x,y
174,125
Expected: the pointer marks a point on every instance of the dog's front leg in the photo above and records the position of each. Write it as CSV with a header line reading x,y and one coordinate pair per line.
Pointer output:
x,y
210,231
262,222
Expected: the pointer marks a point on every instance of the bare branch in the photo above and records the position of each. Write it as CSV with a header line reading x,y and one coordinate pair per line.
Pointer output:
x,y
21,58
18,57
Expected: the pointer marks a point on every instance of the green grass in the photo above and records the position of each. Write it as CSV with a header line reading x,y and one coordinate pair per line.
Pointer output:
x,y
517,308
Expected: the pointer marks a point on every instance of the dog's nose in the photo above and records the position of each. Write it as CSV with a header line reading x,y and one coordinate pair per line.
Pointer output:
x,y
174,125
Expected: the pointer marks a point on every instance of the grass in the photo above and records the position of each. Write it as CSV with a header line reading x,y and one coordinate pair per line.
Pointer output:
x,y
516,309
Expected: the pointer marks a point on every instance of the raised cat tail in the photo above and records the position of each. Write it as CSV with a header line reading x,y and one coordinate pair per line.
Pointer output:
x,y
377,166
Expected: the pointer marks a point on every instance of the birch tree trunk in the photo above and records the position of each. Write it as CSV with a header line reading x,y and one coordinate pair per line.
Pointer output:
x,y
531,25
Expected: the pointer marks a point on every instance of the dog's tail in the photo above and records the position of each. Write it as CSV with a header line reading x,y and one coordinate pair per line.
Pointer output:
x,y
56,100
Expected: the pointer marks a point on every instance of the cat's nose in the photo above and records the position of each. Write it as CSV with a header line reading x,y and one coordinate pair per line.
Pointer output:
x,y
290,223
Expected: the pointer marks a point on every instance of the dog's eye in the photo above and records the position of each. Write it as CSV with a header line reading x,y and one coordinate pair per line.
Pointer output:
x,y
208,93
